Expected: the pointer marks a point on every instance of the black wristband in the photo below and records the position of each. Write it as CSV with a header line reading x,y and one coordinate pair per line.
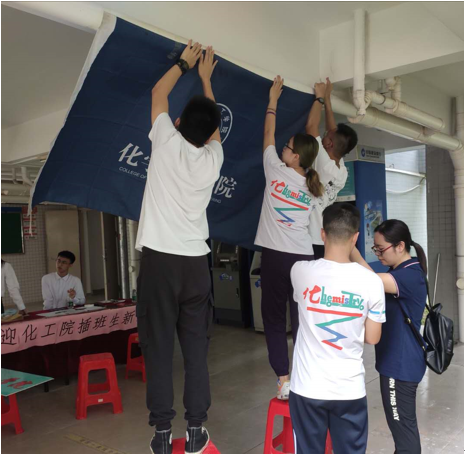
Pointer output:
x,y
183,65
321,100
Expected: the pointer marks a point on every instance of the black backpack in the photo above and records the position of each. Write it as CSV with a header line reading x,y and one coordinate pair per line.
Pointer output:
x,y
438,336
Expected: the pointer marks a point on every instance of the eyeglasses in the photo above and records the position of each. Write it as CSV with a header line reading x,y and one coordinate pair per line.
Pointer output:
x,y
288,147
378,251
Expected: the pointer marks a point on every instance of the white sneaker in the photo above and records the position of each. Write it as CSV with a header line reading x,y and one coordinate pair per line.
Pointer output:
x,y
283,390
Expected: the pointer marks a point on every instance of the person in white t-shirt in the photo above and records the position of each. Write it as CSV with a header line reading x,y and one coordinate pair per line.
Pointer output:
x,y
292,191
174,285
337,141
341,306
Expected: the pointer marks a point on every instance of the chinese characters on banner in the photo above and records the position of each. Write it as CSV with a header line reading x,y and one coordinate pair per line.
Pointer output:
x,y
18,336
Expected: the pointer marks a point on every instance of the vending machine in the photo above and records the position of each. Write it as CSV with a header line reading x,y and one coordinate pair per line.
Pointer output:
x,y
366,189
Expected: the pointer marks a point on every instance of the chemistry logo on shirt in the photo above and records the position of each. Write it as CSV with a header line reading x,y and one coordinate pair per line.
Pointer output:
x,y
283,190
317,296
345,300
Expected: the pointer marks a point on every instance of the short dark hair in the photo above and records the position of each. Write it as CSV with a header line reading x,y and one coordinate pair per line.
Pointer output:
x,y
345,139
341,221
67,255
200,118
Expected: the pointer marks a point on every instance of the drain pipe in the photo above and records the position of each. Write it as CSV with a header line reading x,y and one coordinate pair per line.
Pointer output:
x,y
401,109
134,255
25,177
359,62
17,189
86,261
457,160
123,256
394,87
395,125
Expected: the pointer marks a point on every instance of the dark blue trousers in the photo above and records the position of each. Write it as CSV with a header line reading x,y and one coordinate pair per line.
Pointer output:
x,y
346,420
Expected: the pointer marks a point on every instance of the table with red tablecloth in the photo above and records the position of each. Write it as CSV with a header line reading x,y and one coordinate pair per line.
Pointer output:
x,y
51,346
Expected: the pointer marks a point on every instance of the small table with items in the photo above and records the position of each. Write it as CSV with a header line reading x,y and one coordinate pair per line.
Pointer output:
x,y
14,382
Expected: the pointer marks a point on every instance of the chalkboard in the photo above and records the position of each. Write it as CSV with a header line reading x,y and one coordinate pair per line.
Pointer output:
x,y
12,231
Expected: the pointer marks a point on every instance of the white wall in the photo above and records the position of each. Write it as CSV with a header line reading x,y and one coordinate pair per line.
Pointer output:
x,y
408,207
31,138
32,265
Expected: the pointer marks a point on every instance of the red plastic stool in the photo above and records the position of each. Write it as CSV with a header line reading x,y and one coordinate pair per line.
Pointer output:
x,y
286,437
136,363
10,413
86,395
178,447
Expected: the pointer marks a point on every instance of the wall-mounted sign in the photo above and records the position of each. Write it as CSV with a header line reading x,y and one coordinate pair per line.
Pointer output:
x,y
365,153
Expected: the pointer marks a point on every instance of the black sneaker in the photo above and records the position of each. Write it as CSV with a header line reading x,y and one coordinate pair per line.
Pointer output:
x,y
162,442
197,440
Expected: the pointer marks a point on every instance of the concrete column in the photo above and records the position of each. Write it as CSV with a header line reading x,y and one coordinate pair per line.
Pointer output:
x,y
458,161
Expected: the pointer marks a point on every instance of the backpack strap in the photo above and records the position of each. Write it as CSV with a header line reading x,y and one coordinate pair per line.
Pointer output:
x,y
416,333
409,322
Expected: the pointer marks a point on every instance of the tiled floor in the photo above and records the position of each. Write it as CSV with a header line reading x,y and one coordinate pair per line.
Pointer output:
x,y
242,384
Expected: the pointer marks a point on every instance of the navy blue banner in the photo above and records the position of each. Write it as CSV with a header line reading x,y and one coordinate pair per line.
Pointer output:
x,y
101,155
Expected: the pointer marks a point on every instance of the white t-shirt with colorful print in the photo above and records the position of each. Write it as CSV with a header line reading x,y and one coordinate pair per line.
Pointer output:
x,y
287,204
334,301
333,179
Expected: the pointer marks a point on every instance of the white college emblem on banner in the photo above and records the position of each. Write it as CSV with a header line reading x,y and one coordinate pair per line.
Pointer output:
x,y
226,122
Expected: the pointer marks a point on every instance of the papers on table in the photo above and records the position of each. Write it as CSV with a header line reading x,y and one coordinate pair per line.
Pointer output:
x,y
70,311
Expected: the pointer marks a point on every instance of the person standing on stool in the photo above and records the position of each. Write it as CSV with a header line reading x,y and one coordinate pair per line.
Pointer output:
x,y
174,285
292,191
337,141
341,306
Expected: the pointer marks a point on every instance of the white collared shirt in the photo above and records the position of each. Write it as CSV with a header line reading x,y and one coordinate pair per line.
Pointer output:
x,y
10,282
55,291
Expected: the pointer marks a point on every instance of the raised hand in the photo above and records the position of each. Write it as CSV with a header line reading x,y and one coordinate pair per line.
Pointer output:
x,y
329,89
192,53
320,89
207,64
276,89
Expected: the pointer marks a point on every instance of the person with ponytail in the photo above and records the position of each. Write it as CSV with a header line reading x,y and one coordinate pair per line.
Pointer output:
x,y
399,358
292,192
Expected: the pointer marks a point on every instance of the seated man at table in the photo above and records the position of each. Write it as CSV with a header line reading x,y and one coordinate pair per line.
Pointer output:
x,y
60,288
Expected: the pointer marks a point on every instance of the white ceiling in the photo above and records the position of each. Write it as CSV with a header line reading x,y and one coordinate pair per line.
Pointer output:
x,y
42,59
448,79
41,62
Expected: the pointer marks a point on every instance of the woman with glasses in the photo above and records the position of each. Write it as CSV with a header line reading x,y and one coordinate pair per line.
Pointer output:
x,y
399,358
292,191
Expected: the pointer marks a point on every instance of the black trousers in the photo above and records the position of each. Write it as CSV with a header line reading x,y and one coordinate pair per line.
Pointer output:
x,y
174,294
346,420
399,401
276,290
319,251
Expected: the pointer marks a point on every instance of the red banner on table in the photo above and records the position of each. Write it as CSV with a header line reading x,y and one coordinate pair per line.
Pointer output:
x,y
18,336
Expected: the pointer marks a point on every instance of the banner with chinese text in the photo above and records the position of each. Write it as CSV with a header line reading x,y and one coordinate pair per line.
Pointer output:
x,y
99,159
18,336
